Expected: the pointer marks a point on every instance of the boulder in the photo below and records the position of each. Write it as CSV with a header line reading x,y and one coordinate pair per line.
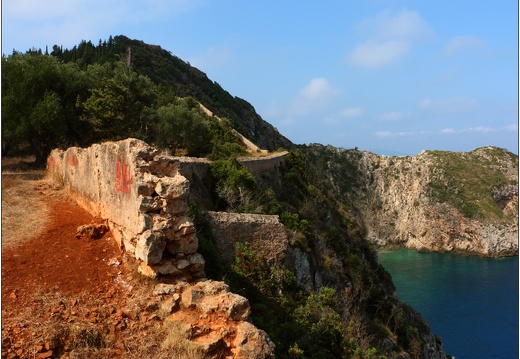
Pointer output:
x,y
252,343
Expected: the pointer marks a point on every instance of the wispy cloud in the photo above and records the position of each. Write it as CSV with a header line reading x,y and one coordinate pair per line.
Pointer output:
x,y
345,114
448,131
450,105
69,21
317,95
390,38
375,54
213,57
394,116
460,44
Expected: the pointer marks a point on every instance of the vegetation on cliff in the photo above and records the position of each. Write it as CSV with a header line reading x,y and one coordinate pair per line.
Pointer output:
x,y
466,180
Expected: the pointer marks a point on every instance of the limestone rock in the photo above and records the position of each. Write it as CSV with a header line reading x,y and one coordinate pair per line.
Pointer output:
x,y
187,245
252,343
92,231
236,306
163,288
172,187
147,271
166,267
150,247
191,297
197,262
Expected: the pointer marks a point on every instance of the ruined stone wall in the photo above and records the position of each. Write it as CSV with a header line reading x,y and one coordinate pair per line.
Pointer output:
x,y
265,234
143,196
266,170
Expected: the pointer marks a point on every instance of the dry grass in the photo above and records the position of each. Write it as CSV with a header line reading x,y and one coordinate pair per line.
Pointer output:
x,y
24,211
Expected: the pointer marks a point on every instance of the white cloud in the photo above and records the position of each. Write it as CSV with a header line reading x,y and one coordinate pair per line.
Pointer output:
x,y
462,43
406,24
450,105
213,57
375,54
69,21
481,129
394,116
390,38
448,131
316,95
351,112
384,134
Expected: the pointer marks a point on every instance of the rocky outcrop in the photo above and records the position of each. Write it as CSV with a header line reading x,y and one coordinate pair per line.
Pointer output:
x,y
214,319
435,201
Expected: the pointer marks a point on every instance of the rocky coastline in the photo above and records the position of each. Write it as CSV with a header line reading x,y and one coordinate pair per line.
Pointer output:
x,y
461,202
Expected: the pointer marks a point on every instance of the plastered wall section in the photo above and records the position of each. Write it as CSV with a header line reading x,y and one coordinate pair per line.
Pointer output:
x,y
143,197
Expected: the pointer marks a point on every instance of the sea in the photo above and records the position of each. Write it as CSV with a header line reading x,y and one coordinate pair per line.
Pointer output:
x,y
469,301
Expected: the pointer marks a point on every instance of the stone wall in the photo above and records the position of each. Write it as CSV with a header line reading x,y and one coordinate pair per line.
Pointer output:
x,y
265,234
267,170
142,195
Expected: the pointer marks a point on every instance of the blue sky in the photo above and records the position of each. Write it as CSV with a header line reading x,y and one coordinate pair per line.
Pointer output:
x,y
389,76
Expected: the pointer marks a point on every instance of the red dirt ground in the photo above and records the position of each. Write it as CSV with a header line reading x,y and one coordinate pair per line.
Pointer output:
x,y
57,259
56,279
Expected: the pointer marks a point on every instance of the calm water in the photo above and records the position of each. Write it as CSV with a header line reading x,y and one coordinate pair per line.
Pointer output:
x,y
471,302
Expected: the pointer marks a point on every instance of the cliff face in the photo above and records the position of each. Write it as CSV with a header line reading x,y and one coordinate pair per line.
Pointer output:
x,y
435,201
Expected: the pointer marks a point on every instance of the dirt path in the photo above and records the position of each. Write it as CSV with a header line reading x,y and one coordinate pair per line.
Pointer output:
x,y
43,276
64,297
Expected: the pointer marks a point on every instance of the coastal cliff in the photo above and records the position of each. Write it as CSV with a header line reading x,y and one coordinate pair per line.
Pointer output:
x,y
441,201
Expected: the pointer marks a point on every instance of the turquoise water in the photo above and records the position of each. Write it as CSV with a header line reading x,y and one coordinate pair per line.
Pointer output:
x,y
471,302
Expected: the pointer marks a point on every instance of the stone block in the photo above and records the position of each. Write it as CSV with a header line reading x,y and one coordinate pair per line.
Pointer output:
x,y
150,247
166,267
236,306
181,263
191,297
149,204
177,207
187,245
147,271
172,187
163,288
197,262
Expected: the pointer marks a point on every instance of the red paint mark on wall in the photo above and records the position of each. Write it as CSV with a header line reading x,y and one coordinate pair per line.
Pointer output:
x,y
123,178
51,163
72,160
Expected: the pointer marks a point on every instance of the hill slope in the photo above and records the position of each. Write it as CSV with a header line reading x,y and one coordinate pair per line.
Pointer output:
x,y
162,67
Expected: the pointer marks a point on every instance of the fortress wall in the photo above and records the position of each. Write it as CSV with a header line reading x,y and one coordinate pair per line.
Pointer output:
x,y
265,234
142,196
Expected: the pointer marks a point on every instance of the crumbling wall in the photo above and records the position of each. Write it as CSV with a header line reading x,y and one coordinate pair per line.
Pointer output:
x,y
144,198
265,234
266,170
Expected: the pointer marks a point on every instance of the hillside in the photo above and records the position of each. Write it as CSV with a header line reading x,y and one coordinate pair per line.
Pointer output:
x,y
162,67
